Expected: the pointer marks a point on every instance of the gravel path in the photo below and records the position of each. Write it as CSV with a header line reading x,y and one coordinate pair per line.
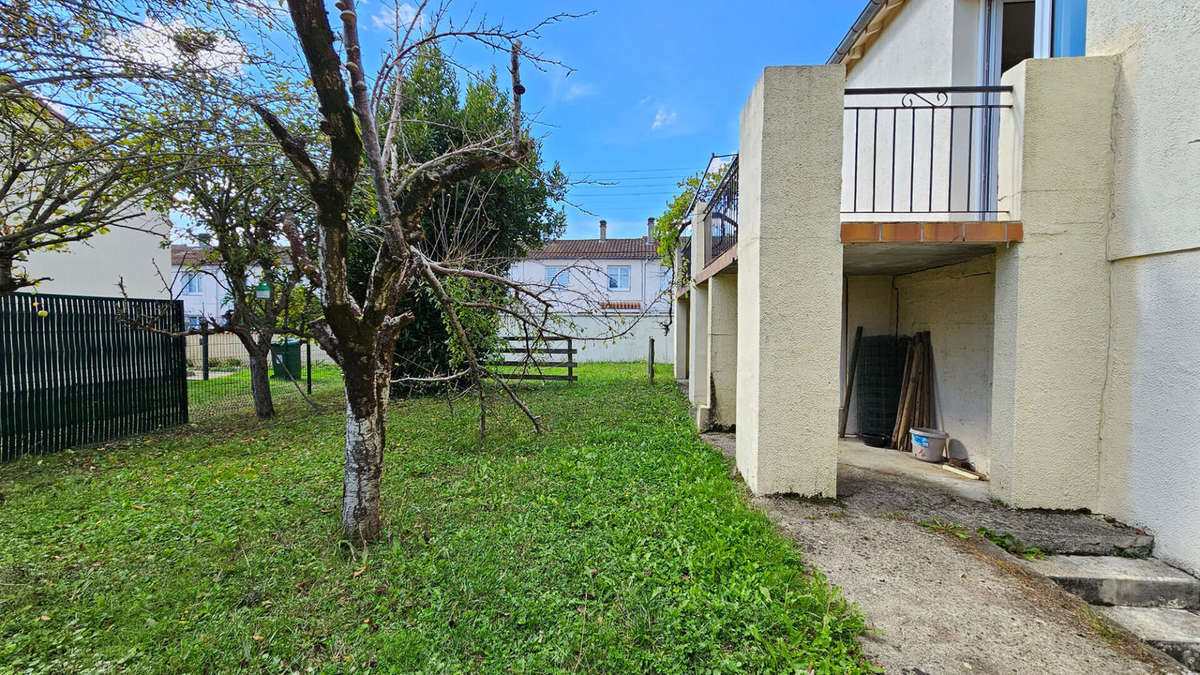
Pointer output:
x,y
940,604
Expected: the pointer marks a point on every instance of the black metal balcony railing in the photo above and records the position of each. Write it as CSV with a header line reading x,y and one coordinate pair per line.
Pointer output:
x,y
723,211
923,150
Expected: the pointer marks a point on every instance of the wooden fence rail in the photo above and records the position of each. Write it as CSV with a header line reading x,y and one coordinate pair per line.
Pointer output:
x,y
528,350
72,372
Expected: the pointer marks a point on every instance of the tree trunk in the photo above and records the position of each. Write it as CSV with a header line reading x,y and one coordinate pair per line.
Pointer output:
x,y
366,407
260,378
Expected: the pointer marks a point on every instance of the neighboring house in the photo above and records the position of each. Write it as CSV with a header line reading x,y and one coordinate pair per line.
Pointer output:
x,y
132,254
200,284
944,172
601,285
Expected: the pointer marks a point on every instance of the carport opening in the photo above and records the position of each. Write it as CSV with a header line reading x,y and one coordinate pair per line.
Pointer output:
x,y
894,292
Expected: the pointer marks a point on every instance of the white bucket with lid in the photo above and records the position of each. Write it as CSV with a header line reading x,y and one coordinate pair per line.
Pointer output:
x,y
928,444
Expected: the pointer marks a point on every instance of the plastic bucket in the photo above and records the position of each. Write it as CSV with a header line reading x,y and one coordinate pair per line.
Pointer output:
x,y
928,444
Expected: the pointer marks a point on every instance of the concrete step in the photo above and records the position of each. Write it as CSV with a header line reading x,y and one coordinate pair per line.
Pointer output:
x,y
1112,580
1174,631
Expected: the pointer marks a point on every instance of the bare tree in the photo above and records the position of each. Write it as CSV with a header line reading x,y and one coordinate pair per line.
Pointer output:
x,y
363,124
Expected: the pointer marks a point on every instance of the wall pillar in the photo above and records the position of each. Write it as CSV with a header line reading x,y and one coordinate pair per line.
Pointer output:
x,y
722,350
698,310
680,330
790,280
1052,291
680,323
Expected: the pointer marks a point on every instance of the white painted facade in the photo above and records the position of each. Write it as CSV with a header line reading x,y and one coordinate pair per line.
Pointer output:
x,y
647,280
597,297
98,265
204,292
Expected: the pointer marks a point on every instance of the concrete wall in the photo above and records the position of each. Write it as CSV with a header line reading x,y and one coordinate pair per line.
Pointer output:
x,y
1051,299
1149,458
632,345
956,305
95,266
790,281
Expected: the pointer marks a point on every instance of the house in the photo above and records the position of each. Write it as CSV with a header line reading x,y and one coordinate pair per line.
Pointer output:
x,y
1020,179
132,254
122,251
199,283
605,286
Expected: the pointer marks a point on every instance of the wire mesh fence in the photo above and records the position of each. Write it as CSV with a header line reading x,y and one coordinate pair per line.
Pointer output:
x,y
219,382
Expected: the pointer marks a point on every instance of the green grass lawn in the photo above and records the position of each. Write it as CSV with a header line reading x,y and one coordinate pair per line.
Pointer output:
x,y
615,542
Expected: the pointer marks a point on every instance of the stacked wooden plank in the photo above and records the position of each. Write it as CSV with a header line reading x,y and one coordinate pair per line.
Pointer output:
x,y
916,392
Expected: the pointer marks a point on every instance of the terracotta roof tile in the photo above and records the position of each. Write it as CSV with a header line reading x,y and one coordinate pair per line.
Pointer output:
x,y
598,249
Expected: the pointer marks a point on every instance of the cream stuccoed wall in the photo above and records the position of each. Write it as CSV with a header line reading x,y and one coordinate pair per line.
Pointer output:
x,y
1149,457
790,281
680,327
97,265
956,305
722,350
1051,297
870,302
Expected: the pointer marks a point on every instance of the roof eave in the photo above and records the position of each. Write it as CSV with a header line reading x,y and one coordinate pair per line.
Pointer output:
x,y
871,21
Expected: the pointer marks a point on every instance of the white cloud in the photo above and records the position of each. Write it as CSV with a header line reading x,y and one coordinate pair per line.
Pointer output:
x,y
391,15
177,43
579,90
663,118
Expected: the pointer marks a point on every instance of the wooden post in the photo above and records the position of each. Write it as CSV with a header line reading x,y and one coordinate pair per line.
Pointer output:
x,y
650,360
570,360
849,384
308,354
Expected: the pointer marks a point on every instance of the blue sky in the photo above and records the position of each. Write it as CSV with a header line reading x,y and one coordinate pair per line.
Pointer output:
x,y
658,87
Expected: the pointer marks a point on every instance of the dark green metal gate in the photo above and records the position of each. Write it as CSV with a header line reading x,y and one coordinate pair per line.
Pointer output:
x,y
73,372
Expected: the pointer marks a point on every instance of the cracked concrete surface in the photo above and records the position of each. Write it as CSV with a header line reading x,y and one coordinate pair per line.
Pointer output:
x,y
940,604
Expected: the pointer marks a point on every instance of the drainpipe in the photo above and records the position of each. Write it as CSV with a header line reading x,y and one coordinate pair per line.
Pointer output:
x,y
860,25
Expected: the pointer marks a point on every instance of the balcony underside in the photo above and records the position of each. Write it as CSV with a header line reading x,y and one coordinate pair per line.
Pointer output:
x,y
901,248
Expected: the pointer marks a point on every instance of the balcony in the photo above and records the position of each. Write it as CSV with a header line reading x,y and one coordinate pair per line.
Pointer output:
x,y
922,153
723,213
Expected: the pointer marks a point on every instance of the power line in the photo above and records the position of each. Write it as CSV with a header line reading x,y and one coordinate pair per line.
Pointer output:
x,y
608,171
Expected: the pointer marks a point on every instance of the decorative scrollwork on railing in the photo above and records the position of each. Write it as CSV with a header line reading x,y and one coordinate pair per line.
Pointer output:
x,y
910,100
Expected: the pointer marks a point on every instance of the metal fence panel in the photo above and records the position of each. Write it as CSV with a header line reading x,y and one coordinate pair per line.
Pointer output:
x,y
73,372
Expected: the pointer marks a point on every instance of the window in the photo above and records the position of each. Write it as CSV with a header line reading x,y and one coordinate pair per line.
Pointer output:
x,y
618,277
192,284
557,276
1068,30
193,322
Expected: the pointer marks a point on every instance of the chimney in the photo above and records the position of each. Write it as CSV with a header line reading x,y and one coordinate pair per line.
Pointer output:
x,y
649,229
603,230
